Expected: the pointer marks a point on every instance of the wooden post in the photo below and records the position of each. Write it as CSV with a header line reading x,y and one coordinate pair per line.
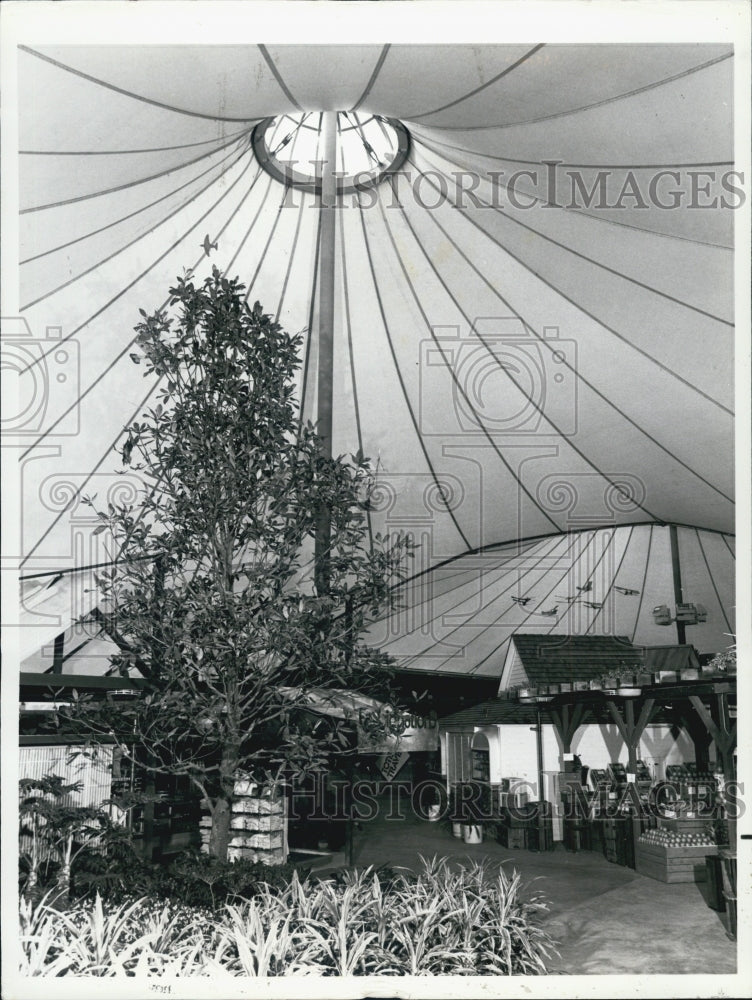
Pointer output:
x,y
721,730
630,730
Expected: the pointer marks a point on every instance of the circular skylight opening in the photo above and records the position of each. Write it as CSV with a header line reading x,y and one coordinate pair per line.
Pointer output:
x,y
369,148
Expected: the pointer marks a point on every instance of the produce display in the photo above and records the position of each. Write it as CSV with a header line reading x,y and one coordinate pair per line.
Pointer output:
x,y
672,838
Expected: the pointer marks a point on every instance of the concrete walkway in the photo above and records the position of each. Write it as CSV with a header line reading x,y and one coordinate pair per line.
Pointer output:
x,y
607,919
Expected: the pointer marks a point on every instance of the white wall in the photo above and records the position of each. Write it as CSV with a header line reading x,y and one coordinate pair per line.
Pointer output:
x,y
513,752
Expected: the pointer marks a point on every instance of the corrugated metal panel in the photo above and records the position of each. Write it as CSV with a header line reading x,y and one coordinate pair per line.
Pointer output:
x,y
95,775
458,763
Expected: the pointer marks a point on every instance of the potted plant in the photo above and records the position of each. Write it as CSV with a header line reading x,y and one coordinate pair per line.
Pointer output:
x,y
476,811
455,813
609,684
689,674
472,833
626,685
665,677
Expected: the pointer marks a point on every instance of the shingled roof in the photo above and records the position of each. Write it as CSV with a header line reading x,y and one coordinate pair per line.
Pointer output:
x,y
496,711
669,657
554,659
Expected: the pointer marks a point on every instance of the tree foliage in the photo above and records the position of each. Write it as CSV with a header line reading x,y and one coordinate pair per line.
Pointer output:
x,y
225,618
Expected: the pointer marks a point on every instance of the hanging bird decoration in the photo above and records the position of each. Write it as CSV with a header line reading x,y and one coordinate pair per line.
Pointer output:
x,y
587,588
627,591
550,613
592,604
128,450
208,245
569,599
522,601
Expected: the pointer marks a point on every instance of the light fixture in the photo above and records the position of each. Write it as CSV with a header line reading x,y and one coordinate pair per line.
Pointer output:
x,y
685,614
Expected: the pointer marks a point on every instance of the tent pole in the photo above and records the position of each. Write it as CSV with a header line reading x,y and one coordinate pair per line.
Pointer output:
x,y
328,208
681,632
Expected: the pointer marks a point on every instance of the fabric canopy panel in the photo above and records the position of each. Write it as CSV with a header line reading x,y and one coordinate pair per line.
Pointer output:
x,y
460,617
529,338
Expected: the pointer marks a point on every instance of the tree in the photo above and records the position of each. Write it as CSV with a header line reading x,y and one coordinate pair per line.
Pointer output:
x,y
52,829
226,620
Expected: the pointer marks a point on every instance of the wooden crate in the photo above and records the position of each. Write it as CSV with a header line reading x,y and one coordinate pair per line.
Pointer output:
x,y
513,837
684,825
672,864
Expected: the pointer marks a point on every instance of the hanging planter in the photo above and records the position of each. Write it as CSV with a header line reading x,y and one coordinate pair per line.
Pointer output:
x,y
473,833
626,686
666,677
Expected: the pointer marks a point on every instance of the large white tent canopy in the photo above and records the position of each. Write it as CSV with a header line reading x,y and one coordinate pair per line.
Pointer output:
x,y
533,328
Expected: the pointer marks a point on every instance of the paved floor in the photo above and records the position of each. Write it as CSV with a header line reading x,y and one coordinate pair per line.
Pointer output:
x,y
606,918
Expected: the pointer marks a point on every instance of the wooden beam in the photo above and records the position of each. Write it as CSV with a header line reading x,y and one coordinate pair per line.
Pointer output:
x,y
58,653
81,682
616,716
578,715
724,717
709,722
644,717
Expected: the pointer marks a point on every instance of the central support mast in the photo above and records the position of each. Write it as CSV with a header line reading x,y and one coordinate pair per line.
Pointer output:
x,y
325,386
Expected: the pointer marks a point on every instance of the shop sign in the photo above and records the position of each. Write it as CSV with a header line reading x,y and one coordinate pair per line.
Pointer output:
x,y
388,729
391,763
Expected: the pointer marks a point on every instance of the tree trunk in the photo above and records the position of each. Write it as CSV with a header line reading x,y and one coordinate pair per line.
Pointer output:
x,y
219,838
64,874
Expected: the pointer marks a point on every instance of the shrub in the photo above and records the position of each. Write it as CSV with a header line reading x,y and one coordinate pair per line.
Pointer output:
x,y
118,872
436,921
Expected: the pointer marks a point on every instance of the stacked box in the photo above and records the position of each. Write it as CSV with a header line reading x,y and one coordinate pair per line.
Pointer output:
x,y
513,837
673,864
618,841
257,826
